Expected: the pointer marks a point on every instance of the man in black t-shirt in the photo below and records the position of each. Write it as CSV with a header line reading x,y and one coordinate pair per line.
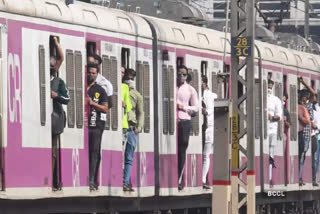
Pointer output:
x,y
98,107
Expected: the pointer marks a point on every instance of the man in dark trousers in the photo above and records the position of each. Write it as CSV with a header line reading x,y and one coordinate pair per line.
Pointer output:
x,y
59,96
187,104
98,107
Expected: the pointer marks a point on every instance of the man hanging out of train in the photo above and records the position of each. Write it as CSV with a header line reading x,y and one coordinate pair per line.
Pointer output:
x,y
126,107
306,94
59,95
207,128
187,103
274,107
101,80
315,147
136,121
98,104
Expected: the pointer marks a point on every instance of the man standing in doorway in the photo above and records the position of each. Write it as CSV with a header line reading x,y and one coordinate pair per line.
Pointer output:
x,y
187,103
207,128
274,107
98,104
136,121
60,96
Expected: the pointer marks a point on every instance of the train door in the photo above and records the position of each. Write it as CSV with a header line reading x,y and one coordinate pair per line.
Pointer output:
x,y
2,119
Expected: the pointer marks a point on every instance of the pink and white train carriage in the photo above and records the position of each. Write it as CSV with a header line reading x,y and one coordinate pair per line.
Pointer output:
x,y
153,47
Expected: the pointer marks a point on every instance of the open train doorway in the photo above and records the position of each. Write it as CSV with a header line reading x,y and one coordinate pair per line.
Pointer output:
x,y
2,171
56,143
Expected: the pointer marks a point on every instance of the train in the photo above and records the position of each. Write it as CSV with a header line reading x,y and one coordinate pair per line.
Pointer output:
x,y
154,48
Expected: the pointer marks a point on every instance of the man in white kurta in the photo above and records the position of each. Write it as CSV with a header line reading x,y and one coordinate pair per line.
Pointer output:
x,y
208,112
274,107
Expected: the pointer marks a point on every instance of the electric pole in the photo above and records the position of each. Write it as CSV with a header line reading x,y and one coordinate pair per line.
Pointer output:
x,y
306,20
243,22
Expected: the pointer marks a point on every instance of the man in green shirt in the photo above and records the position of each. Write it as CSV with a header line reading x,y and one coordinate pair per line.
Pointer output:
x,y
126,107
136,121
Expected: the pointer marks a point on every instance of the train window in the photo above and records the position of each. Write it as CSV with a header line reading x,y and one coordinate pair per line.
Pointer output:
x,y
106,73
257,100
293,112
179,62
143,86
42,85
114,80
91,48
204,68
139,76
278,93
214,82
265,120
191,82
70,84
172,106
195,120
79,89
165,99
146,96
0,42
125,56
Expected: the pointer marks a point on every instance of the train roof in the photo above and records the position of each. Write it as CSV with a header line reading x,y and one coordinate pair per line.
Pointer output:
x,y
79,13
188,35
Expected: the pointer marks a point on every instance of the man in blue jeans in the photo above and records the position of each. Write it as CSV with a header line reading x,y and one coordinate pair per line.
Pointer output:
x,y
136,121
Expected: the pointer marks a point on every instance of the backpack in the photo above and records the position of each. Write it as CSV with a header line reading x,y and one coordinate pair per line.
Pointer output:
x,y
58,116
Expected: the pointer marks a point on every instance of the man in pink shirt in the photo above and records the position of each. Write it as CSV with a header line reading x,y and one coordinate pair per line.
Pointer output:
x,y
187,104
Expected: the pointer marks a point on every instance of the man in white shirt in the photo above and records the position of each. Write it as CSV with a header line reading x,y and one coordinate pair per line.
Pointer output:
x,y
274,106
207,128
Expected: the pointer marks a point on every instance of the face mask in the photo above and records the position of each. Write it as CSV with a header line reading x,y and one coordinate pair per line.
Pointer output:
x,y
130,83
91,79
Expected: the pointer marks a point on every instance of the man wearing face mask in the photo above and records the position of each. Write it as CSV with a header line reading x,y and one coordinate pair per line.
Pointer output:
x,y
98,107
187,104
59,96
274,107
136,121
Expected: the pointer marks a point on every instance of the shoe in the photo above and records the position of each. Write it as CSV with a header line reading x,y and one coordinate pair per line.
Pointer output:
x,y
127,188
301,182
271,184
205,186
93,187
180,187
315,184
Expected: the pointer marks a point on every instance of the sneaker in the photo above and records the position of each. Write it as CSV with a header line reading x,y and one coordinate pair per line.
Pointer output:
x,y
127,188
315,184
301,182
180,187
205,186
93,187
271,184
